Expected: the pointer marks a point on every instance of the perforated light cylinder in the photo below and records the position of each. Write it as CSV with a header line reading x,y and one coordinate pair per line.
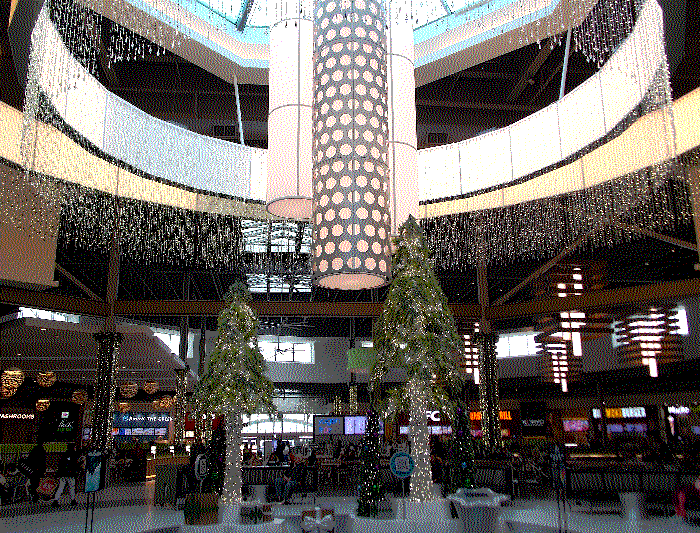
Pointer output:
x,y
403,144
289,119
350,169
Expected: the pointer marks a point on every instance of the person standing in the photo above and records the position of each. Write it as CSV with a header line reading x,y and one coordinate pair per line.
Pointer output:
x,y
67,472
34,467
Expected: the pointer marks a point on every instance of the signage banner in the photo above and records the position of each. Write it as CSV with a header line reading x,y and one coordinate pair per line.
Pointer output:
x,y
130,420
533,419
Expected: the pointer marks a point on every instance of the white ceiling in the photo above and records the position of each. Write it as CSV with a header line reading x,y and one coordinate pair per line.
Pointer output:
x,y
70,350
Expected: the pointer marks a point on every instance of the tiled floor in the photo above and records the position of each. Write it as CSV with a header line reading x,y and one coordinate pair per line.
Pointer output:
x,y
520,517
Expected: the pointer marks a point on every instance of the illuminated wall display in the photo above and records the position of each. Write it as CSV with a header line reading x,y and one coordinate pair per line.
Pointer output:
x,y
622,412
17,416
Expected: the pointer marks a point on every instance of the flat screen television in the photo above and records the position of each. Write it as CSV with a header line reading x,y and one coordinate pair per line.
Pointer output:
x,y
148,431
403,430
137,431
357,425
328,425
161,431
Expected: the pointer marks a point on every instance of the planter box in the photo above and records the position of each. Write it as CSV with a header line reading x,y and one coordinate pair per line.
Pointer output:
x,y
201,509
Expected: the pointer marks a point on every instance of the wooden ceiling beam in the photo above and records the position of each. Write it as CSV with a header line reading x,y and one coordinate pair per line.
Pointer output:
x,y
606,300
595,300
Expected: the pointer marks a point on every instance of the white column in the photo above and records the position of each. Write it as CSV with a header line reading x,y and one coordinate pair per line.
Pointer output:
x,y
403,168
289,121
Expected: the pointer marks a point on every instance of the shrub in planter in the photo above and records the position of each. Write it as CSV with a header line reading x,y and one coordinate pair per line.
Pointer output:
x,y
201,509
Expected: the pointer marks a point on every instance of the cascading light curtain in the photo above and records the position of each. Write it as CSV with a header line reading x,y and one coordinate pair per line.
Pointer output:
x,y
583,195
350,173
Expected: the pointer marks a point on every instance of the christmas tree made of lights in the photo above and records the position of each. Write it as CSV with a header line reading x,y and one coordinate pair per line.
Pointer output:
x,y
416,331
370,489
235,383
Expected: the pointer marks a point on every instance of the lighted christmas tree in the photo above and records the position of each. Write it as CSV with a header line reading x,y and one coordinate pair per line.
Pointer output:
x,y
370,489
235,383
416,331
461,454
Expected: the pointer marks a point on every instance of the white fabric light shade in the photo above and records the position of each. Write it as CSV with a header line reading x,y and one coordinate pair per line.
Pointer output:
x,y
289,188
289,175
402,148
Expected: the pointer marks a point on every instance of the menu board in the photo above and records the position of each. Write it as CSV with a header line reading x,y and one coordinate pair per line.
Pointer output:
x,y
148,431
328,425
161,432
137,431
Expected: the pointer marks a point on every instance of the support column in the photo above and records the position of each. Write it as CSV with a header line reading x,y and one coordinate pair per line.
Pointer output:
x,y
485,341
179,405
488,389
105,388
108,342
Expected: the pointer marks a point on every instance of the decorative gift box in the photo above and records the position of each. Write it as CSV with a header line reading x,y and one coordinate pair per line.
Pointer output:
x,y
255,513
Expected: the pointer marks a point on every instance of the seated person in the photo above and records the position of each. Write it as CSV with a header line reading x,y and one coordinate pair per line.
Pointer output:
x,y
294,477
247,454
273,459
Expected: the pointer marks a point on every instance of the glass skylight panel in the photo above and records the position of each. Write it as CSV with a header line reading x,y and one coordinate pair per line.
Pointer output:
x,y
230,9
259,15
29,312
426,11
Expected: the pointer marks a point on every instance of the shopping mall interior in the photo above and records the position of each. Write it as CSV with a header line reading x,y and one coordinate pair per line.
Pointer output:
x,y
349,265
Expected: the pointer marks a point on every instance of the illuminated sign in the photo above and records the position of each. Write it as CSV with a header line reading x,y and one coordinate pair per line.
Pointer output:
x,y
681,410
16,416
622,412
503,415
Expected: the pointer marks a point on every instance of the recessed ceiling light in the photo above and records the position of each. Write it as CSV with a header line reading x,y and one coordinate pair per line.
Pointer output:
x,y
43,329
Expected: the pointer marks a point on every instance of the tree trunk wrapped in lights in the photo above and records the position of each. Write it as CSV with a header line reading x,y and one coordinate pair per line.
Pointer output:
x,y
416,331
235,382
370,489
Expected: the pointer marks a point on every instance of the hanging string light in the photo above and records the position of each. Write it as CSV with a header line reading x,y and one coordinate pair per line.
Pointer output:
x,y
45,379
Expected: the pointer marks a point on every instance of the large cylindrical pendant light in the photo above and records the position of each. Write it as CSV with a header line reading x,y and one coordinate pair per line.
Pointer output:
x,y
403,147
289,120
350,169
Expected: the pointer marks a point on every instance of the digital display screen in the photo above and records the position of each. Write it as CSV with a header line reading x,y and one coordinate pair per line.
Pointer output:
x,y
355,425
127,431
148,431
575,425
161,432
328,425
137,431
403,430
115,431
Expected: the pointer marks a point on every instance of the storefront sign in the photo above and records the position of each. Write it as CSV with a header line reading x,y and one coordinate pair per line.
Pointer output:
x,y
502,415
622,412
16,416
533,419
678,410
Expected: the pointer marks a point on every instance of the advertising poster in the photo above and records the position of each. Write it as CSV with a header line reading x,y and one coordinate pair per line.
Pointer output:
x,y
94,472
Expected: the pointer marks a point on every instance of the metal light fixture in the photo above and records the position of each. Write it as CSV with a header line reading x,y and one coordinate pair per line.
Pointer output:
x,y
350,132
166,402
150,387
45,379
79,397
42,405
10,380
129,389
